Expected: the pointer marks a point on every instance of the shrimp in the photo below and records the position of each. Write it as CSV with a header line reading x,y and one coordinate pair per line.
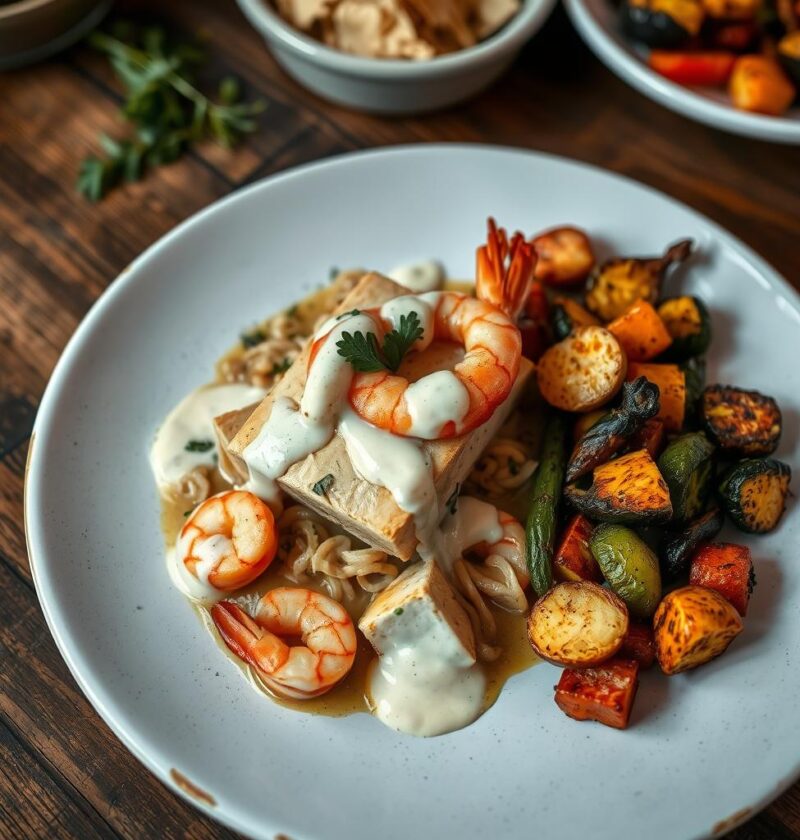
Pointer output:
x,y
504,272
298,671
228,540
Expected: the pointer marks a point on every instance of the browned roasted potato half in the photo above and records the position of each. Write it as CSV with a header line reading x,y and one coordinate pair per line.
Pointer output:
x,y
739,421
583,371
577,624
692,626
564,256
618,283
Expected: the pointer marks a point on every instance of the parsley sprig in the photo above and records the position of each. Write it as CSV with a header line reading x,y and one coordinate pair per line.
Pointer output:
x,y
366,356
167,111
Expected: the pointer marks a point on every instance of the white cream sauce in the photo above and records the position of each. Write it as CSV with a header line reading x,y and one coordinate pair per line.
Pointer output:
x,y
423,276
192,420
474,521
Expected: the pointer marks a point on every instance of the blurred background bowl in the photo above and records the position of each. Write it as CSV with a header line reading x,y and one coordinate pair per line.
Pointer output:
x,y
389,86
31,30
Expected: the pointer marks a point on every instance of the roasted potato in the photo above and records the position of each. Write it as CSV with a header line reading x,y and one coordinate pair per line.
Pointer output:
x,y
618,283
692,626
741,422
583,371
687,466
564,256
727,569
671,383
604,694
759,84
628,490
754,493
577,624
630,567
640,332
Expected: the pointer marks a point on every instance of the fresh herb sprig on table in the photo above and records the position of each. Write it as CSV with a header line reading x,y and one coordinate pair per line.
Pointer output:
x,y
167,112
364,354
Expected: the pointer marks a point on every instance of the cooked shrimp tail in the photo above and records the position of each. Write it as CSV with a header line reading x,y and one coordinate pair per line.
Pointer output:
x,y
505,270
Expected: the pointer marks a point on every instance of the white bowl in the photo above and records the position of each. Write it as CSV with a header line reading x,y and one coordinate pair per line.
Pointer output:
x,y
387,86
596,21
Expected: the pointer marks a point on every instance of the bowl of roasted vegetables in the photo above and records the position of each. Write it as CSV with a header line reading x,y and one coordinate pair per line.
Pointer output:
x,y
642,463
733,64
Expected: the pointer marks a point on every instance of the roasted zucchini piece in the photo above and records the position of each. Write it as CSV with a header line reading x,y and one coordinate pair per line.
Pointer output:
x,y
754,493
618,283
741,422
629,490
689,324
630,567
540,526
693,625
662,23
694,377
641,332
671,382
726,568
609,435
678,544
577,624
789,55
687,466
564,256
604,693
566,314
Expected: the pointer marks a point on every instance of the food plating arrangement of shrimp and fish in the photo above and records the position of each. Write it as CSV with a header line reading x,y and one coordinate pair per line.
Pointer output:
x,y
399,492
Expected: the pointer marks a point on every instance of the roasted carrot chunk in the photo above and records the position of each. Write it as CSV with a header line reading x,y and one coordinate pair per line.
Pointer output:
x,y
649,437
727,569
604,693
641,332
574,560
672,386
639,644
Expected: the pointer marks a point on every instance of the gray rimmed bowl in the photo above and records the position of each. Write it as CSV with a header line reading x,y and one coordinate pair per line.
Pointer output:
x,y
387,86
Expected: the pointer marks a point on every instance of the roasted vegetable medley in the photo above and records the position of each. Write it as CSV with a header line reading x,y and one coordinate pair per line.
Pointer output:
x,y
640,463
750,47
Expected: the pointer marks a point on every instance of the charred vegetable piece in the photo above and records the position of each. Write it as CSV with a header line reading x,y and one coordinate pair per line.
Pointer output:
x,y
566,314
678,546
629,490
732,9
741,422
577,624
618,283
649,437
704,69
726,568
694,376
564,256
640,332
630,567
662,23
604,694
789,55
736,36
586,421
583,371
607,436
639,644
754,493
535,338
688,322
574,560
671,383
759,84
687,467
543,512
692,626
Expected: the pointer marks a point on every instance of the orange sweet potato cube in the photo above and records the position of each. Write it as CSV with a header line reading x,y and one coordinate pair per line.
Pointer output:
x,y
574,560
604,693
672,386
641,332
726,568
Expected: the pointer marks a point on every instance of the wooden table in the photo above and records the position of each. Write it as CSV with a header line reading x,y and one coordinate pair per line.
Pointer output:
x,y
64,773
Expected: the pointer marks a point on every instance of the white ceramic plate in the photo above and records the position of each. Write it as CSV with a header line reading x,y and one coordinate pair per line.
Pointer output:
x,y
705,747
596,21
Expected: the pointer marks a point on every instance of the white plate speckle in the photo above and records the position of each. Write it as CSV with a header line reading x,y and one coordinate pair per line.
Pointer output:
x,y
728,730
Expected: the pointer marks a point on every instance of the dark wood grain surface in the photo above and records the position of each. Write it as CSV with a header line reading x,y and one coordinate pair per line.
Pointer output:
x,y
64,774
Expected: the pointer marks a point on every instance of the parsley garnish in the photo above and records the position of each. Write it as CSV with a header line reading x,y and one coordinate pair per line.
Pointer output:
x,y
281,367
251,339
323,485
348,314
199,445
399,611
452,503
167,112
364,354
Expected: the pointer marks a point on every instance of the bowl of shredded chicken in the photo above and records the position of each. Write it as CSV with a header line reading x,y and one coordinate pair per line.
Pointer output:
x,y
396,56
